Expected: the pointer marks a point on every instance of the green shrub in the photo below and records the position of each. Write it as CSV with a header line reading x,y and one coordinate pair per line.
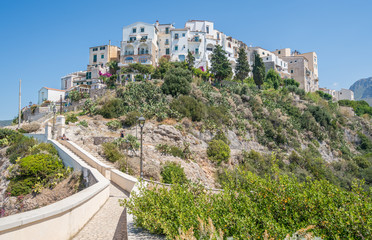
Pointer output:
x,y
114,125
218,115
324,95
250,205
365,143
360,107
173,173
112,109
177,81
42,169
220,135
89,107
170,150
291,82
218,151
131,118
47,148
189,107
139,77
20,148
83,123
111,152
71,118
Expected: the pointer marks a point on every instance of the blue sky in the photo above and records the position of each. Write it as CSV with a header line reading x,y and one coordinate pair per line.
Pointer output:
x,y
41,41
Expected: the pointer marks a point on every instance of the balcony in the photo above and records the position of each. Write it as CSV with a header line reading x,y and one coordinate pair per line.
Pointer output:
x,y
127,53
194,40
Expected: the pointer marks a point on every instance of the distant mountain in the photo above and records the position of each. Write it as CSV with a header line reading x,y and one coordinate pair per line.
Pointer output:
x,y
4,123
363,90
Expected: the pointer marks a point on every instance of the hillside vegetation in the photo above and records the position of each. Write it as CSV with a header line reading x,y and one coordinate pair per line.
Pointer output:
x,y
313,165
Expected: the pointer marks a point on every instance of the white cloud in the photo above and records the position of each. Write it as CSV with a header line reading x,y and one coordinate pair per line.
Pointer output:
x,y
335,84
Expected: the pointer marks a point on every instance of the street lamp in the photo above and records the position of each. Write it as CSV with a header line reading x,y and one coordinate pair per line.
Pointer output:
x,y
141,123
54,120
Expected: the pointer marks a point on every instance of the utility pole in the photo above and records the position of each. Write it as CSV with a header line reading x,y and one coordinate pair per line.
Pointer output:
x,y
19,107
60,106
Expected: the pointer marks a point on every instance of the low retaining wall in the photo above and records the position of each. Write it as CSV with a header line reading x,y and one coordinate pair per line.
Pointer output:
x,y
39,137
63,219
123,180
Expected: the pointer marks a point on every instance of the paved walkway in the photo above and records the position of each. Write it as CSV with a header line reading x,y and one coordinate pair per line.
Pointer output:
x,y
110,222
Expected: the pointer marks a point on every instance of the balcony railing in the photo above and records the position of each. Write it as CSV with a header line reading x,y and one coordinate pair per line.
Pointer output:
x,y
194,40
126,53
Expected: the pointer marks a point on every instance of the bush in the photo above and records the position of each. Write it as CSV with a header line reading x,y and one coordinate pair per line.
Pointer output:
x,y
177,81
139,77
360,107
324,95
46,148
173,173
83,123
220,135
31,127
44,169
365,143
218,151
170,150
218,115
189,107
114,125
112,109
111,152
131,118
71,118
89,107
250,205
291,82
20,148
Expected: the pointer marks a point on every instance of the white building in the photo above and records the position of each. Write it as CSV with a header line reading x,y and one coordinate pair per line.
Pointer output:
x,y
270,60
140,44
50,94
344,94
99,56
146,43
72,79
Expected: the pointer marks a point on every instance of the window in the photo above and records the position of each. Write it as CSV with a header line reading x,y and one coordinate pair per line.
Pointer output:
x,y
207,29
218,36
196,50
94,58
267,58
196,38
134,30
176,36
229,45
183,34
176,48
131,39
142,29
88,75
291,71
167,51
102,56
263,53
181,58
278,52
102,48
95,49
167,30
166,41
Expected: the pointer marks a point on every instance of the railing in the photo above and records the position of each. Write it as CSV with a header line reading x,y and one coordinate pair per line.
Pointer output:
x,y
194,40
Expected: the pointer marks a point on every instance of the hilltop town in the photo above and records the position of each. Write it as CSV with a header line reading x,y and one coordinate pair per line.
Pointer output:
x,y
146,44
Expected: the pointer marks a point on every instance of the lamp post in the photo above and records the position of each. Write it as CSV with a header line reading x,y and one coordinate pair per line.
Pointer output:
x,y
141,123
54,120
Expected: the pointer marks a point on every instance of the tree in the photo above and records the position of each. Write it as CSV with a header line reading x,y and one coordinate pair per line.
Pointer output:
x,y
162,69
220,65
258,70
190,60
242,66
177,81
273,79
113,66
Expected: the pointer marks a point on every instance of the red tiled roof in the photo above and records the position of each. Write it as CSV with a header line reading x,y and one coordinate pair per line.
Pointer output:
x,y
55,89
